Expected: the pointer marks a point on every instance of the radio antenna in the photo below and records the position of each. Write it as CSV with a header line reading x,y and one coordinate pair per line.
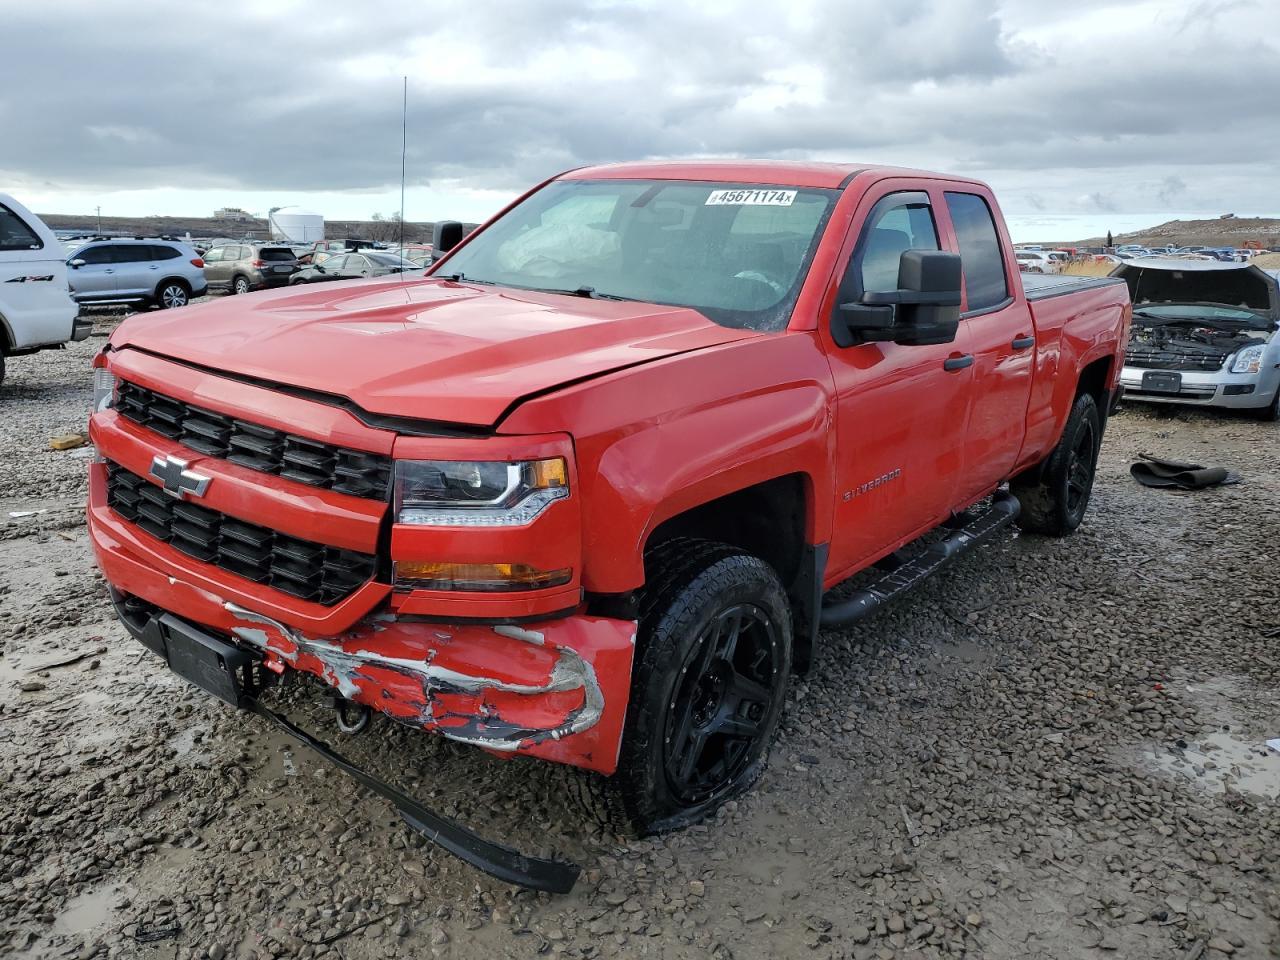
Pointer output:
x,y
404,137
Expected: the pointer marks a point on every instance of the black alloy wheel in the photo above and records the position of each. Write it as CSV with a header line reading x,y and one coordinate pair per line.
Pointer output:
x,y
717,719
1080,469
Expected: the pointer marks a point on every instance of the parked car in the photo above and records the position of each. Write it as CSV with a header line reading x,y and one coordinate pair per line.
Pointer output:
x,y
145,270
419,253
577,494
1036,261
351,266
36,309
1204,333
242,267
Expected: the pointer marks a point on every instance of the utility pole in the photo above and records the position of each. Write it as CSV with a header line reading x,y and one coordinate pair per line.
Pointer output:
x,y
99,211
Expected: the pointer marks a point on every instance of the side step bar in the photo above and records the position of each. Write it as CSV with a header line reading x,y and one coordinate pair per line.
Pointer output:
x,y
1003,511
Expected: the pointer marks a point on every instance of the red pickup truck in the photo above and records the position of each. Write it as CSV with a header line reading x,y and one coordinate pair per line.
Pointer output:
x,y
579,493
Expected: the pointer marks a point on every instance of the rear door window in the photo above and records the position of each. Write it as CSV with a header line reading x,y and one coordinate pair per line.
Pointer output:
x,y
980,251
15,234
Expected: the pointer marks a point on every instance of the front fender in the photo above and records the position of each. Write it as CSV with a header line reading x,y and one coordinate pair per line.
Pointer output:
x,y
657,440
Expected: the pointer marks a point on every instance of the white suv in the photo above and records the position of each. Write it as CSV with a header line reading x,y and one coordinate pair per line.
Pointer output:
x,y
167,273
36,309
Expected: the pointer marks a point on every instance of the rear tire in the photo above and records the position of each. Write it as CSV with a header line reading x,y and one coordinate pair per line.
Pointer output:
x,y
240,285
1055,494
172,294
712,663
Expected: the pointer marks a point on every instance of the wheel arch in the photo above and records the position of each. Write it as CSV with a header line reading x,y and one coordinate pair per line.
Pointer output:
x,y
770,520
172,279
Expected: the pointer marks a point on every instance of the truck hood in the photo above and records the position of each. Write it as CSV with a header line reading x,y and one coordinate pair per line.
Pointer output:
x,y
427,349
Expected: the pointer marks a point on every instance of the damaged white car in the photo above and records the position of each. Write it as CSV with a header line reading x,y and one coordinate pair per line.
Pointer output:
x,y
1204,333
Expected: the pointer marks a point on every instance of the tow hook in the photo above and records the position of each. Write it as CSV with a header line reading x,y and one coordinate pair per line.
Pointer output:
x,y
352,717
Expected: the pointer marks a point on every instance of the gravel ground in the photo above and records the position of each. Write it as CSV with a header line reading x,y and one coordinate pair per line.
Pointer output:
x,y
1054,749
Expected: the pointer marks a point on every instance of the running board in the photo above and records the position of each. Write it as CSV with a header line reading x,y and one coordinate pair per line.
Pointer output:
x,y
1003,511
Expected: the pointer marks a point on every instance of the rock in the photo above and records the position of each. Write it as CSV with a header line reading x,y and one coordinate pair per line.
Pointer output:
x,y
31,686
858,933
896,924
1221,945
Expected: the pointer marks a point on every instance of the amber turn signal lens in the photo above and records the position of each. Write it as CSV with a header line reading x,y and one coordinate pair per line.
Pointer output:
x,y
480,577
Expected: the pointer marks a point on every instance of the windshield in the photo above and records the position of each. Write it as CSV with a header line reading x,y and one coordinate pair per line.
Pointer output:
x,y
736,253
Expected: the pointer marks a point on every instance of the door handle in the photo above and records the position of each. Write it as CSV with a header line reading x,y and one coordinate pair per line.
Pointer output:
x,y
153,267
1022,343
108,270
958,363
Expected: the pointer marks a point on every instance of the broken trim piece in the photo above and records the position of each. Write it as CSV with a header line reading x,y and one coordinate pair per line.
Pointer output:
x,y
342,667
495,859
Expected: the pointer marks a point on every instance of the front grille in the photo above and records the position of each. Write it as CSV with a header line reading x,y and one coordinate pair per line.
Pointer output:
x,y
309,571
257,447
1171,360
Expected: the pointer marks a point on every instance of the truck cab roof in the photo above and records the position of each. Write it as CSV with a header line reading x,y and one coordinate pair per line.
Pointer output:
x,y
791,173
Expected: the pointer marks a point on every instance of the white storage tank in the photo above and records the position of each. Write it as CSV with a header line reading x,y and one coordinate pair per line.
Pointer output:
x,y
296,225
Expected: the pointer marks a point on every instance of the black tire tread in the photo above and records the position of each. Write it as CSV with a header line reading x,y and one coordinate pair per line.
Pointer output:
x,y
670,567
1038,490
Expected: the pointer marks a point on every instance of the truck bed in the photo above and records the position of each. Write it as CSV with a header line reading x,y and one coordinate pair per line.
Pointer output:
x,y
1039,286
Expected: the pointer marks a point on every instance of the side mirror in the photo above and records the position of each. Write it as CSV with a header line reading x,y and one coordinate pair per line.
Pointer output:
x,y
446,236
925,309
77,263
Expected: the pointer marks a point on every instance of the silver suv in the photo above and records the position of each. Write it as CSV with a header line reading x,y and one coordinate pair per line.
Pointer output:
x,y
241,267
166,273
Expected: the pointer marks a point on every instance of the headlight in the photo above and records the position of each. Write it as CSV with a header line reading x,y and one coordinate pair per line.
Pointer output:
x,y
104,389
467,493
1249,360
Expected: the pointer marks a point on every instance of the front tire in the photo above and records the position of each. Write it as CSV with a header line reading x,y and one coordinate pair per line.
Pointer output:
x,y
1055,495
711,672
173,294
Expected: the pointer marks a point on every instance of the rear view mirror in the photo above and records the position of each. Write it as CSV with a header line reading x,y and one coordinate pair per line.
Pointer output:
x,y
447,235
925,309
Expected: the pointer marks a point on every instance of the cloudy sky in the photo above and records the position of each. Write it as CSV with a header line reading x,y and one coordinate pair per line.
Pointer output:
x,y
1083,115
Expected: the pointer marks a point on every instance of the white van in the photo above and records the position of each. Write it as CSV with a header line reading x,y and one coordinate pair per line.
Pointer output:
x,y
36,309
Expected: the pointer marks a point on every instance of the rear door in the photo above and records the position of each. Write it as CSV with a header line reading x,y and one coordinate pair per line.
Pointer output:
x,y
95,279
135,269
901,410
999,332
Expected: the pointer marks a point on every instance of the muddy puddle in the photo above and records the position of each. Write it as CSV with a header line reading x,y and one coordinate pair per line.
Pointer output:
x,y
1232,754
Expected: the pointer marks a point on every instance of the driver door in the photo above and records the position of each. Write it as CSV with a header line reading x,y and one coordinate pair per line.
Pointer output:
x,y
900,410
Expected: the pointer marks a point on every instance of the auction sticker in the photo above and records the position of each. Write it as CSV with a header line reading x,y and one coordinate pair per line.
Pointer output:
x,y
766,198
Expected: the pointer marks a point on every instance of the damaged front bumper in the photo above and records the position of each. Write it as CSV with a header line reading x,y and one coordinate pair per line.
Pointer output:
x,y
555,689
237,677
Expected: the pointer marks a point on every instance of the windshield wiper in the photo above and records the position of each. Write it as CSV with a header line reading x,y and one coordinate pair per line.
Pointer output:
x,y
460,277
591,293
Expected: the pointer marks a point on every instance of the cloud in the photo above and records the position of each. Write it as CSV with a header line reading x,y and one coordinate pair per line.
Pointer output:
x,y
1089,100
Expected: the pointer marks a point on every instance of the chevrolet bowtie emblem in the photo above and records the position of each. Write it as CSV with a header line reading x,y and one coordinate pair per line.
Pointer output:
x,y
179,482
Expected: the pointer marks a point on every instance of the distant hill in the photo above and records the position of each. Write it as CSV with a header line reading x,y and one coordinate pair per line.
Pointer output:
x,y
1219,232
375,230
